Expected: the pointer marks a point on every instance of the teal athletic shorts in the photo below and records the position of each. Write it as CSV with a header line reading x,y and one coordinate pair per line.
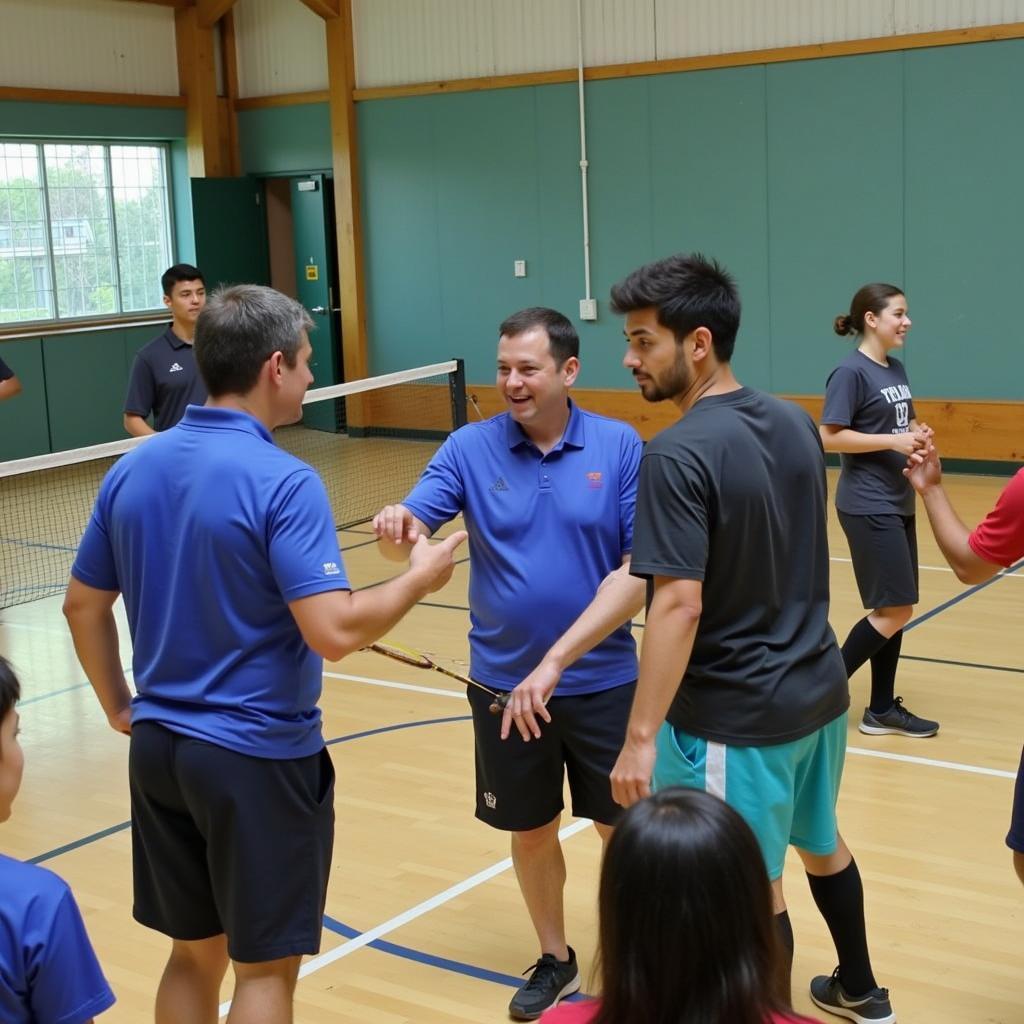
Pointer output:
x,y
786,793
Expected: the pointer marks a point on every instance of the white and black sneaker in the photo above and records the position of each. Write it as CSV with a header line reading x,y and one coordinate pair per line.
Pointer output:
x,y
871,1008
897,721
551,979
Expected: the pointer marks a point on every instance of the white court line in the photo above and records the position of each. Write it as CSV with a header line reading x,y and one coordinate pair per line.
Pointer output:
x,y
352,945
937,568
884,755
954,766
388,684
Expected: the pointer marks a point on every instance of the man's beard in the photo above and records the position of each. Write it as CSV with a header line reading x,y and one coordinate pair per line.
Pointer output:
x,y
674,382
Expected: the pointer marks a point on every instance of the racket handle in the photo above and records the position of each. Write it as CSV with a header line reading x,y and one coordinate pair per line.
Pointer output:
x,y
499,703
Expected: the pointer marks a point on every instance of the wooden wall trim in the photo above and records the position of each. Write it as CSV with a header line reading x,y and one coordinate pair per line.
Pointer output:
x,y
16,94
285,99
814,51
52,330
990,431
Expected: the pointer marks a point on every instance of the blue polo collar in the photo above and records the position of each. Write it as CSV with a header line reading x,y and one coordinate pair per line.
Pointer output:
x,y
207,417
574,436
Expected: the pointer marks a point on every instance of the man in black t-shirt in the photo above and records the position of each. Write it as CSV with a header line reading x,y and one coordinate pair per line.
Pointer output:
x,y
165,378
742,689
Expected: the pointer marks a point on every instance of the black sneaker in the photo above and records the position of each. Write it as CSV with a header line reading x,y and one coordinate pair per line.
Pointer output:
x,y
897,721
872,1008
551,980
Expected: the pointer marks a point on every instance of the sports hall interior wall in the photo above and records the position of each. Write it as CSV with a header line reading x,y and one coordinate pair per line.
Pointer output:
x,y
83,375
806,178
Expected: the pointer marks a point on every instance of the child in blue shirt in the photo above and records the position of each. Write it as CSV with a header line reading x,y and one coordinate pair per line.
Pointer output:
x,y
48,971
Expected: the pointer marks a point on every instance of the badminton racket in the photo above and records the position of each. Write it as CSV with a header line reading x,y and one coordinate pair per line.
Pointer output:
x,y
418,660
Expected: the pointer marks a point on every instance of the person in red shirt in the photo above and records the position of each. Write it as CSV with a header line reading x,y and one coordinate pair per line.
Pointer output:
x,y
686,925
975,556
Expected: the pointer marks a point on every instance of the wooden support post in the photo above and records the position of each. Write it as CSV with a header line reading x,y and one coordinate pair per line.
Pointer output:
x,y
197,76
348,214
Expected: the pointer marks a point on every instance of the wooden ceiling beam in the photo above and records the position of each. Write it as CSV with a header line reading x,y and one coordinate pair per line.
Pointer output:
x,y
327,9
211,11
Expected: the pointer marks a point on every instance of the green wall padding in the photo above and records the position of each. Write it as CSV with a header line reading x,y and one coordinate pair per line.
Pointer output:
x,y
806,179
24,429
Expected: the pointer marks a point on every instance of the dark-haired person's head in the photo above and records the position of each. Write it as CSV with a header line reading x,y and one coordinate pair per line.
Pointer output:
x,y
686,291
178,274
184,295
12,760
538,361
869,303
683,877
682,314
240,329
563,341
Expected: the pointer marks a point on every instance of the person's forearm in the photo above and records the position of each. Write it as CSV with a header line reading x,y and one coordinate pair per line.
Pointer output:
x,y
617,600
137,426
369,614
95,637
9,388
669,633
952,537
853,442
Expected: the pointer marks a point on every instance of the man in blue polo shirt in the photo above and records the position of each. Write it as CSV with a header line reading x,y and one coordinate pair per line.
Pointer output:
x,y
547,491
164,378
224,548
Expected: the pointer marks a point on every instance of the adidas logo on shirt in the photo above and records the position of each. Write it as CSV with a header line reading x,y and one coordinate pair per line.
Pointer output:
x,y
499,485
176,368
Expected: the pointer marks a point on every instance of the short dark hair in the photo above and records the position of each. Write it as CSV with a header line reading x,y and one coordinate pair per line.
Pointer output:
x,y
871,298
10,688
180,272
687,291
239,329
683,872
563,341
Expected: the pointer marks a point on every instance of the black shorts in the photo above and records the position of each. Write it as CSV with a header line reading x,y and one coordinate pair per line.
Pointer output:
x,y
519,785
1015,837
226,843
884,554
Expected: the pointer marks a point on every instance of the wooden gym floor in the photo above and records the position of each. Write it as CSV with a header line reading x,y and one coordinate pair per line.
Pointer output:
x,y
425,923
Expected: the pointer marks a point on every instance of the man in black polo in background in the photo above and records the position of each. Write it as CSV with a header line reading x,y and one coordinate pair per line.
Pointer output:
x,y
164,377
9,383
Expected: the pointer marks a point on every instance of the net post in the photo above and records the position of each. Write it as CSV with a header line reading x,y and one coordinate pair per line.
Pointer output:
x,y
457,386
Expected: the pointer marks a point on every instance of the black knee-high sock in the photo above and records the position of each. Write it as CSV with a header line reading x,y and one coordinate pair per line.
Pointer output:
x,y
783,982
840,898
883,673
862,643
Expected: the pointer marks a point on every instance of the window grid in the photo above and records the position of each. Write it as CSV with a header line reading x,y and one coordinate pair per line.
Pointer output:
x,y
85,229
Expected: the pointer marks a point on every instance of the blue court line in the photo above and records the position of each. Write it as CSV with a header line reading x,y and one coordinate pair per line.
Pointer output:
x,y
970,592
78,843
960,664
35,544
396,728
429,960
52,693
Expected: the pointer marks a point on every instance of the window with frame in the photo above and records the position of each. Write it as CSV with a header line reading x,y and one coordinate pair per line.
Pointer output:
x,y
85,229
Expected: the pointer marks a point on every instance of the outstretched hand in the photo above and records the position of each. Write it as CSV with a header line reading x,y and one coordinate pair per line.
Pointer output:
x,y
924,469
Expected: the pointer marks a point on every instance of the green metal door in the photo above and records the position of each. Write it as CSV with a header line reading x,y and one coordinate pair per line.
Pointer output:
x,y
231,231
317,289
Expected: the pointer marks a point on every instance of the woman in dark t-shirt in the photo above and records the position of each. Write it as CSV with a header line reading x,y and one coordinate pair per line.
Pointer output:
x,y
869,419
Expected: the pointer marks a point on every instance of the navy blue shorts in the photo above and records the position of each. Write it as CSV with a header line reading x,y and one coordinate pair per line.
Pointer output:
x,y
227,843
519,785
1015,837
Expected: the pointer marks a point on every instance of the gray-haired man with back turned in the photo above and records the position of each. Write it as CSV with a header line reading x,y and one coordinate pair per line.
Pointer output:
x,y
224,548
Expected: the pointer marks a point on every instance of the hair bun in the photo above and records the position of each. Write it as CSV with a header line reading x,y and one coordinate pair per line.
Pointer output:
x,y
843,324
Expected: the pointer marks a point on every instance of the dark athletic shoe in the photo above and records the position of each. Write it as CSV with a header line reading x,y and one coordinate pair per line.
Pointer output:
x,y
897,721
871,1008
550,981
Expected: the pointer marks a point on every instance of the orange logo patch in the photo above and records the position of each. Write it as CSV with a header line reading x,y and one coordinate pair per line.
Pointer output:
x,y
594,480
